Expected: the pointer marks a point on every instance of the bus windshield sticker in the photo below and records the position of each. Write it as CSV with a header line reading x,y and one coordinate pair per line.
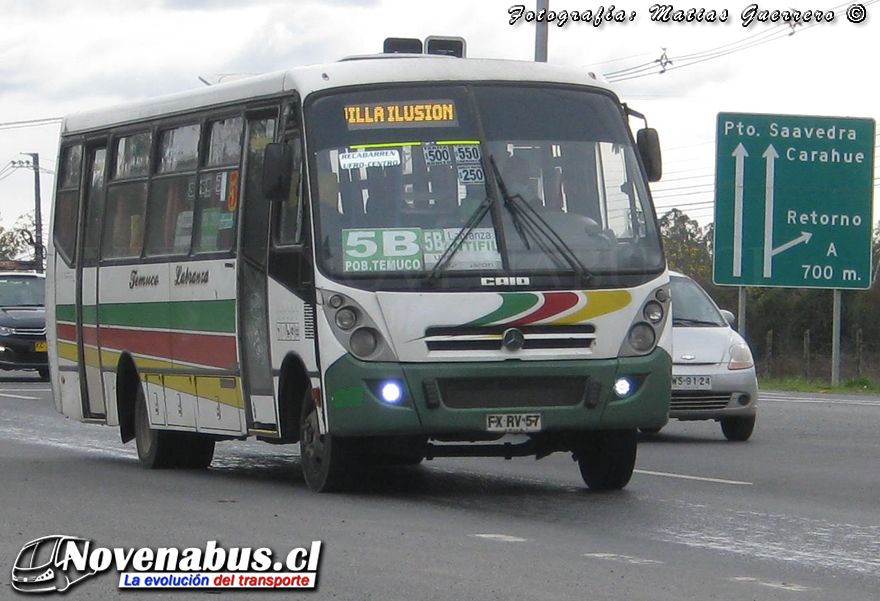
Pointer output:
x,y
469,153
478,251
416,249
471,174
437,155
418,113
369,158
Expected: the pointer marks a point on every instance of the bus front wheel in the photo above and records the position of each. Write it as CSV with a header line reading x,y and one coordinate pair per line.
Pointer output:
x,y
326,463
607,459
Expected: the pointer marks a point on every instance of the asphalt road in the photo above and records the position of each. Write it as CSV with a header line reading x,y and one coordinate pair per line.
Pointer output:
x,y
791,514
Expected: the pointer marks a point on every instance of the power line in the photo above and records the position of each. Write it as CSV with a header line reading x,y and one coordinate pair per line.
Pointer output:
x,y
30,123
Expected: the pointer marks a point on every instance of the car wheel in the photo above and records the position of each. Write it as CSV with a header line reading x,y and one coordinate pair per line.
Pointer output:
x,y
738,429
607,459
44,373
326,462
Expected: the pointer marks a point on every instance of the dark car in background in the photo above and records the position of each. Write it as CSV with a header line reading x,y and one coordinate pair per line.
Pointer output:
x,y
23,323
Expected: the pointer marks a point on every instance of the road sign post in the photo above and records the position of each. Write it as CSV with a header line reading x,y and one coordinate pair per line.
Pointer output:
x,y
793,201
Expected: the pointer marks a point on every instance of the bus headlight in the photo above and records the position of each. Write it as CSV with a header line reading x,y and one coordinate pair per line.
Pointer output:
x,y
642,337
363,342
653,312
346,318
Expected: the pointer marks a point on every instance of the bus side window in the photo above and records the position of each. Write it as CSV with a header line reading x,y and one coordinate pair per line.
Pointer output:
x,y
289,227
67,202
125,210
219,188
124,222
172,195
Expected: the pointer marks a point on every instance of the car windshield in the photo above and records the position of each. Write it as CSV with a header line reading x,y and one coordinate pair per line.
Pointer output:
x,y
516,179
692,306
18,291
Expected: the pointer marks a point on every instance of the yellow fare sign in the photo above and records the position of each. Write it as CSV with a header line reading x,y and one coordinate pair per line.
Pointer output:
x,y
429,113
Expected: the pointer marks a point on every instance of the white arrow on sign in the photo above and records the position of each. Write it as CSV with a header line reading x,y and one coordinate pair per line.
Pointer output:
x,y
770,155
804,237
740,153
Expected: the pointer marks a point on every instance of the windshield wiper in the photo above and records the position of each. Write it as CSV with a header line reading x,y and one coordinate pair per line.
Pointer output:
x,y
459,239
529,222
681,321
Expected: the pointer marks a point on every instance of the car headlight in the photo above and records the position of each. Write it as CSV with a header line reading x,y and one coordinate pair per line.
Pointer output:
x,y
740,357
4,331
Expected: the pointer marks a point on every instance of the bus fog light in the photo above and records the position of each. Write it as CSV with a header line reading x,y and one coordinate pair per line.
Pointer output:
x,y
642,337
391,392
346,318
623,387
363,342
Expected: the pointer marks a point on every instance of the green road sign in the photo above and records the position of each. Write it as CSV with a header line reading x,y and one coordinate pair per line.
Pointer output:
x,y
793,201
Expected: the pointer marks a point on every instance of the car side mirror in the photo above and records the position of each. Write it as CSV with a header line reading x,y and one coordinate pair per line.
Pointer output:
x,y
729,317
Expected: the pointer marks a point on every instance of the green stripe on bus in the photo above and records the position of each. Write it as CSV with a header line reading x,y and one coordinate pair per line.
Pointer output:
x,y
199,316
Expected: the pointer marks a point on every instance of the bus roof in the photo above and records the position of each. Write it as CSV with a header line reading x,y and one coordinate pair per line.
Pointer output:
x,y
387,68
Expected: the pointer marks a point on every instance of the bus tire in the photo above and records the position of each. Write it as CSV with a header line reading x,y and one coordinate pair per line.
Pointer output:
x,y
326,464
196,451
157,449
607,459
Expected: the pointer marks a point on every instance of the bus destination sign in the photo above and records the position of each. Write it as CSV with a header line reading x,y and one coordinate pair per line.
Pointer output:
x,y
422,113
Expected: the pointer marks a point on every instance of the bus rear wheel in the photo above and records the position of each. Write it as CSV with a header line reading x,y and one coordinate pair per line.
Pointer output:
x,y
607,459
161,449
326,462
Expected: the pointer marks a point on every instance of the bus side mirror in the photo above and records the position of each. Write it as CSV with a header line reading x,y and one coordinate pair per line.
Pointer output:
x,y
277,171
648,142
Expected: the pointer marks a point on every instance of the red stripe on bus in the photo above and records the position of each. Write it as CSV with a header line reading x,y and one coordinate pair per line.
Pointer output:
x,y
189,347
554,303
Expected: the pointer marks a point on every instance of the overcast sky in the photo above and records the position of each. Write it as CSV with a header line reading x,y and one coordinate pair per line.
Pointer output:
x,y
61,56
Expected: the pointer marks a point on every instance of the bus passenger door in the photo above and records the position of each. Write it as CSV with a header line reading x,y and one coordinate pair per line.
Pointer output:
x,y
87,331
253,321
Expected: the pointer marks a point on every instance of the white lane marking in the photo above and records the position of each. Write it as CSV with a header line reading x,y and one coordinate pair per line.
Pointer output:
x,y
638,561
779,397
19,396
504,538
697,478
786,586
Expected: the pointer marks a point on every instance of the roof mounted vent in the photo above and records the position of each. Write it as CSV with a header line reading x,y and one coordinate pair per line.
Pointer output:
x,y
434,44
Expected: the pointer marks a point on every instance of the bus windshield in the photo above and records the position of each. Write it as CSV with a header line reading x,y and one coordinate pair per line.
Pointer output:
x,y
521,180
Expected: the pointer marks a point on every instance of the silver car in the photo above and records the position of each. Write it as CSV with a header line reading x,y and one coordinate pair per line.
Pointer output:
x,y
713,371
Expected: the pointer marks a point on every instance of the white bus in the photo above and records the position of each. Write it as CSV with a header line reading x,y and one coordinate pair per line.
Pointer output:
x,y
384,259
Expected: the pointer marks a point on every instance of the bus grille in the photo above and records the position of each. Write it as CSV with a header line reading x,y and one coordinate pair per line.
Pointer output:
x,y
489,338
698,401
496,393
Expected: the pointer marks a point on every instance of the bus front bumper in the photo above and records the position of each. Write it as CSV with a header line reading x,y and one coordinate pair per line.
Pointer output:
x,y
468,398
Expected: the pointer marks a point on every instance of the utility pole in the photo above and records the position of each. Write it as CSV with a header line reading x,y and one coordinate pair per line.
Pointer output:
x,y
38,213
541,32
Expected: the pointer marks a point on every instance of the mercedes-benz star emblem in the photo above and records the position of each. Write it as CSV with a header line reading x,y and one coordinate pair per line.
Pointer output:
x,y
513,339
